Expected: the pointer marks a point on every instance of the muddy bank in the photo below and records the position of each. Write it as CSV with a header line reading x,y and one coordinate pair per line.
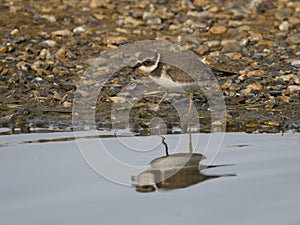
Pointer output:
x,y
253,46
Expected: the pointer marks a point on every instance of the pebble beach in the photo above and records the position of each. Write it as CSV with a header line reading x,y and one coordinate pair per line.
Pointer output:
x,y
253,45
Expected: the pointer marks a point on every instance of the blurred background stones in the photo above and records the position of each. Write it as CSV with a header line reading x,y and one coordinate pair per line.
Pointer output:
x,y
254,46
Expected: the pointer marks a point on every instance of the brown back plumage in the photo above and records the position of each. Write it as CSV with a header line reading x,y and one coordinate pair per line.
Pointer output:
x,y
173,72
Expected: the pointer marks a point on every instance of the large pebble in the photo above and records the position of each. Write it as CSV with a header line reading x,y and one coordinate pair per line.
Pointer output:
x,y
285,26
296,63
255,87
67,104
283,14
218,29
294,39
255,73
117,99
60,33
294,88
50,43
15,32
79,29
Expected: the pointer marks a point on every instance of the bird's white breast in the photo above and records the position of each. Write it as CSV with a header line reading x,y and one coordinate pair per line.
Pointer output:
x,y
169,84
148,69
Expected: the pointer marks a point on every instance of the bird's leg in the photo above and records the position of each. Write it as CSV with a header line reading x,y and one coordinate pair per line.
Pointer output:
x,y
189,125
163,97
190,141
191,102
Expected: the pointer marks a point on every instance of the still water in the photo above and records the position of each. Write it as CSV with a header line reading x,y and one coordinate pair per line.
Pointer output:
x,y
254,179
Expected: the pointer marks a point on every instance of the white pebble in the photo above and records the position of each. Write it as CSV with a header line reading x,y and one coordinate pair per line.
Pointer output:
x,y
79,29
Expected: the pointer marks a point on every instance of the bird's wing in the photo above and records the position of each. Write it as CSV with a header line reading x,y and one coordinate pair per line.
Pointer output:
x,y
177,75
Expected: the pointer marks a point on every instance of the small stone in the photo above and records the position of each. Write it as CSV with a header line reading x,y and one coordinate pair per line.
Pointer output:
x,y
226,85
234,55
294,20
50,43
56,95
230,46
202,49
218,29
3,90
67,86
124,31
45,53
266,43
274,93
214,43
67,104
294,39
59,72
36,66
117,99
296,63
61,53
284,98
14,32
98,3
255,87
222,16
80,29
132,22
293,88
19,40
287,78
196,14
61,33
3,49
213,9
195,25
245,27
272,123
285,26
294,4
83,93
49,18
201,2
114,40
50,78
246,91
283,14
255,73
187,4
242,77
152,20
254,36
120,22
175,27
37,79
99,16
79,67
22,66
43,34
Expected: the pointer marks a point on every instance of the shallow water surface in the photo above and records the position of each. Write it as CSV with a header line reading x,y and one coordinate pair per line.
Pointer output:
x,y
256,181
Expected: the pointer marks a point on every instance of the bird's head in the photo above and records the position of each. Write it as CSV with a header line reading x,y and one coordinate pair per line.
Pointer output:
x,y
147,61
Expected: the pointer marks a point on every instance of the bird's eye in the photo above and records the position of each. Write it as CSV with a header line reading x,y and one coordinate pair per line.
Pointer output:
x,y
147,63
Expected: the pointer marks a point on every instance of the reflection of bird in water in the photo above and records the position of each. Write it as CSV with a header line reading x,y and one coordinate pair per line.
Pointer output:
x,y
173,171
167,76
168,172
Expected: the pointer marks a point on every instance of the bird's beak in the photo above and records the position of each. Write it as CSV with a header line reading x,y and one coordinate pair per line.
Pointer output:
x,y
136,66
